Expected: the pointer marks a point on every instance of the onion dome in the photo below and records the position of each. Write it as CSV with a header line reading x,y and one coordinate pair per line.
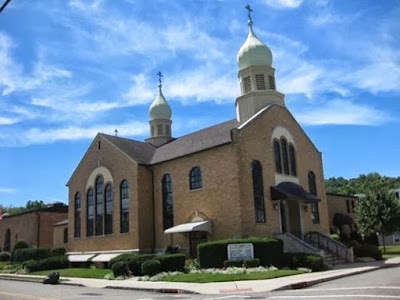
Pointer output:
x,y
253,52
160,108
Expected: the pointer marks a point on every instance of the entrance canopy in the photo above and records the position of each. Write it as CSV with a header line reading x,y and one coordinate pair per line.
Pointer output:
x,y
192,226
292,191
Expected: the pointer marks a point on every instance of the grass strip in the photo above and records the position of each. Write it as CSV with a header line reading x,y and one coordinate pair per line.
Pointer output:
x,y
77,272
206,277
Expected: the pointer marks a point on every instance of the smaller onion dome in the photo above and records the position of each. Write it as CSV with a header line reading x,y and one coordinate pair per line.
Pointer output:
x,y
253,52
160,108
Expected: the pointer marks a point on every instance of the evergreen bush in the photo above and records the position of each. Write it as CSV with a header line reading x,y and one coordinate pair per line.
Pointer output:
x,y
367,251
24,254
125,257
50,263
20,245
172,262
119,268
251,263
233,263
135,266
305,260
151,267
57,251
4,256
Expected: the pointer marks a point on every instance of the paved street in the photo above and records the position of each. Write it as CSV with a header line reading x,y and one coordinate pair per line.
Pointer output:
x,y
380,284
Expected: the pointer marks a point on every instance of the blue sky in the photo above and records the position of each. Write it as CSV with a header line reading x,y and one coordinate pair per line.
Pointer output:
x,y
72,68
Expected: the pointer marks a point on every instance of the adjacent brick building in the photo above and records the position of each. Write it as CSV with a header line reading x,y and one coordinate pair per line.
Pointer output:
x,y
256,175
342,215
35,227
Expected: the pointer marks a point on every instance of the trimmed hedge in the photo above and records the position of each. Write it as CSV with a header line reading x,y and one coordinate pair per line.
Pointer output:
x,y
247,263
268,250
126,257
135,266
305,260
367,251
21,255
151,267
172,262
57,251
119,268
20,245
54,262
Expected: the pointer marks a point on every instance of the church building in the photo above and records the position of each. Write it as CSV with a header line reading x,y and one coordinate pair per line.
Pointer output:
x,y
258,174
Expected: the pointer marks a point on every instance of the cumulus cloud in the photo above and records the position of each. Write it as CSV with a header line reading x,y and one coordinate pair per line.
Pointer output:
x,y
283,3
4,190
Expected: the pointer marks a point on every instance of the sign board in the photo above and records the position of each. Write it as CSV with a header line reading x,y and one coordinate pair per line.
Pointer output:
x,y
240,251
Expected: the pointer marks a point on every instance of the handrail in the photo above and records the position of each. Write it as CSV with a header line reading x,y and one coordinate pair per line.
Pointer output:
x,y
328,244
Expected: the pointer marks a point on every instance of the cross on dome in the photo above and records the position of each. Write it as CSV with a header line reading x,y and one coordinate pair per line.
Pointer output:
x,y
248,7
160,75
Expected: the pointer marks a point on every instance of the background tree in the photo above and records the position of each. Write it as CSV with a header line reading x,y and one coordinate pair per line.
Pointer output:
x,y
30,205
378,213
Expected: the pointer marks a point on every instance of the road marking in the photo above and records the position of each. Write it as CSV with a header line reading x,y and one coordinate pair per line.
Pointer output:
x,y
335,296
25,296
358,288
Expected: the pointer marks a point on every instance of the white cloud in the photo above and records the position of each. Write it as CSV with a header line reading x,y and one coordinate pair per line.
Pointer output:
x,y
283,3
341,112
4,190
8,121
44,136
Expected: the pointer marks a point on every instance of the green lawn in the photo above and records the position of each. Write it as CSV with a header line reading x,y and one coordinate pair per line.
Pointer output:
x,y
391,251
77,272
205,277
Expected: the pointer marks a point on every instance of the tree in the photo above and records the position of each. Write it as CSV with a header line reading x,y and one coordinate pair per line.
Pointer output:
x,y
378,213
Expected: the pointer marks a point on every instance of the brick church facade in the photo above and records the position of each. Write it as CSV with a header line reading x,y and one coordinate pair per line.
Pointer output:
x,y
256,175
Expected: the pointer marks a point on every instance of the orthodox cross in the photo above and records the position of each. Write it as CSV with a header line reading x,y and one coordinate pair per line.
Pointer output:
x,y
116,132
248,7
160,75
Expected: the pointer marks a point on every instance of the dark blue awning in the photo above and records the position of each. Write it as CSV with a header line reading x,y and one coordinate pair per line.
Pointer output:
x,y
292,191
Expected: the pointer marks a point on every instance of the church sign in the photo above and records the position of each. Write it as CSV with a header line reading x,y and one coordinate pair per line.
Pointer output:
x,y
240,251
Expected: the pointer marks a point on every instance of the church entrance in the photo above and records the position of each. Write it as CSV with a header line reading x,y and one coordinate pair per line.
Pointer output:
x,y
290,217
195,238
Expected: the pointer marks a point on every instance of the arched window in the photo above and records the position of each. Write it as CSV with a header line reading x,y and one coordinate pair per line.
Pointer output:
x,y
99,206
77,215
109,210
258,191
124,204
7,240
292,160
195,178
285,156
277,154
168,202
65,235
312,188
90,213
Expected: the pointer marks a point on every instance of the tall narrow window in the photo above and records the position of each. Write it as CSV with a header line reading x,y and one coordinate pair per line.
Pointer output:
x,y
258,191
7,240
292,160
195,178
109,211
124,202
90,214
260,82
285,156
77,215
277,154
99,206
159,129
247,84
65,233
168,202
312,188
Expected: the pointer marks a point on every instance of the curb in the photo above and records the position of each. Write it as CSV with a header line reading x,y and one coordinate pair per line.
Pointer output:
x,y
163,290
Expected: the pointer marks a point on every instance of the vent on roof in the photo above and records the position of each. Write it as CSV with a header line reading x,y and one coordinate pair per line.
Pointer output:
x,y
247,84
260,82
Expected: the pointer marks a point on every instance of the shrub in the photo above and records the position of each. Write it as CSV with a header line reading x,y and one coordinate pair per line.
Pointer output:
x,y
50,263
305,260
57,251
335,237
151,267
4,256
251,263
267,249
191,264
135,266
120,268
367,251
233,263
21,255
172,250
172,262
126,257
20,245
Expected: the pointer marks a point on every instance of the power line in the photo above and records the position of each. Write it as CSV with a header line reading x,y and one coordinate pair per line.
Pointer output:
x,y
4,5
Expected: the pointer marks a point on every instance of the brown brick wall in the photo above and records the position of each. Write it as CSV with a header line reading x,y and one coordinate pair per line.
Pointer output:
x,y
338,204
22,227
58,236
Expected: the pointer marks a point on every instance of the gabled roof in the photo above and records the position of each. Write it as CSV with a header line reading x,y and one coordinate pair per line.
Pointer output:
x,y
145,153
141,152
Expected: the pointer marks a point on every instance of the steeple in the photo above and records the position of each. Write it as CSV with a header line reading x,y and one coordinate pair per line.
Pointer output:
x,y
256,76
160,118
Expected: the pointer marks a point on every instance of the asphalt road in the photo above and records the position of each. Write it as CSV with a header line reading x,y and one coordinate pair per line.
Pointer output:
x,y
381,284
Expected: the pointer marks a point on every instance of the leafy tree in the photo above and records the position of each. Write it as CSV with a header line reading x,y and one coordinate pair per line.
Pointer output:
x,y
30,205
35,204
378,212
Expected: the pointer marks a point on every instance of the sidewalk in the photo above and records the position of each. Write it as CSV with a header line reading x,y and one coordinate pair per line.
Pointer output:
x,y
234,287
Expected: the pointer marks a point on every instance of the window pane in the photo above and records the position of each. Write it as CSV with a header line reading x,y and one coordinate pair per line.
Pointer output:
x,y
195,178
258,191
277,154
292,157
109,210
124,210
99,206
90,213
285,157
168,203
77,216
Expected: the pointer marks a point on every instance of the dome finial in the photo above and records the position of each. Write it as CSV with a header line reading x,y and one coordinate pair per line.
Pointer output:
x,y
250,21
